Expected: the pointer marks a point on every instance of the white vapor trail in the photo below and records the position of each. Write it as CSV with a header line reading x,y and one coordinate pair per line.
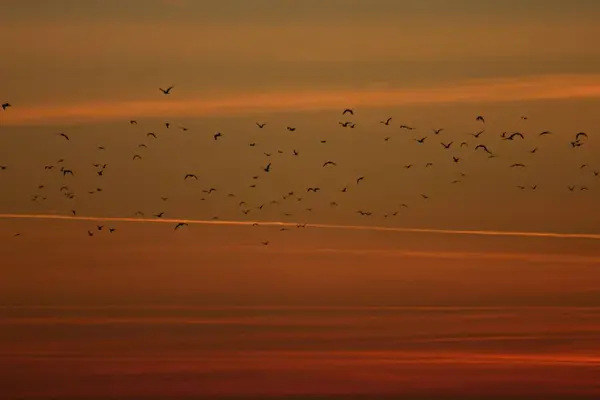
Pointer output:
x,y
591,236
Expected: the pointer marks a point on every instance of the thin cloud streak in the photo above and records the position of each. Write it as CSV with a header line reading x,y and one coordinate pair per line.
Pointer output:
x,y
455,255
591,236
494,90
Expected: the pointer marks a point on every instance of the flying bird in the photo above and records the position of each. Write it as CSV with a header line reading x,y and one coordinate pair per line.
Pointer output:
x,y
518,165
480,118
447,146
190,176
217,135
291,129
261,125
386,122
167,90
151,134
267,168
348,111
5,106
326,163
359,179
484,147
64,135
580,134
180,225
514,135
437,131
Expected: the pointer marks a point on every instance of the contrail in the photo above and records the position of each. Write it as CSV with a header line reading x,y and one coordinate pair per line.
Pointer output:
x,y
591,236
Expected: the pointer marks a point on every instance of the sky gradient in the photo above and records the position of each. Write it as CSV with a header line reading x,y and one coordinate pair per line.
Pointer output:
x,y
481,289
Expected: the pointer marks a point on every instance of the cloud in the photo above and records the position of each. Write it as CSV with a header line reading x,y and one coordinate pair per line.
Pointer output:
x,y
488,90
591,236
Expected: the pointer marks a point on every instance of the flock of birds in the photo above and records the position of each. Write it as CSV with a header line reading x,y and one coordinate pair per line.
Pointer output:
x,y
578,139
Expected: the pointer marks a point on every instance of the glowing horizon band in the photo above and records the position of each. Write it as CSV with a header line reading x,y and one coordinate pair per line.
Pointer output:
x,y
592,236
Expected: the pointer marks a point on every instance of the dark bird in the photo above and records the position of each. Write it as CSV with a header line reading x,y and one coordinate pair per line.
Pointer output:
x,y
533,151
5,106
437,131
159,215
265,243
90,233
64,135
291,129
313,189
408,166
447,146
424,196
514,135
408,128
111,230
422,140
386,122
217,135
545,133
580,134
67,172
464,144
142,145
267,168
480,118
295,152
100,227
344,190
252,144
133,122
359,179
49,167
345,124
167,90
326,163
209,191
261,125
267,154
518,165
190,176
151,134
167,125
137,156
428,165
484,147
455,159
180,225
476,135
348,111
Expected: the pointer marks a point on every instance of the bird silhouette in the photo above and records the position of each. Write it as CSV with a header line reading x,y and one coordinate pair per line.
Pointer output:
x,y
180,225
167,90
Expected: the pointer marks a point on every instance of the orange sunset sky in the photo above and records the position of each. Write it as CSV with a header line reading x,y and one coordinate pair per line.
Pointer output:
x,y
467,276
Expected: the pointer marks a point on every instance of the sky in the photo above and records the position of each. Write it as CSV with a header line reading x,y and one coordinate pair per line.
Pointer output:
x,y
459,284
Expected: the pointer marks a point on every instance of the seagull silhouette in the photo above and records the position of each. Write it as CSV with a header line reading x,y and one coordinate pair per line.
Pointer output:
x,y
167,90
